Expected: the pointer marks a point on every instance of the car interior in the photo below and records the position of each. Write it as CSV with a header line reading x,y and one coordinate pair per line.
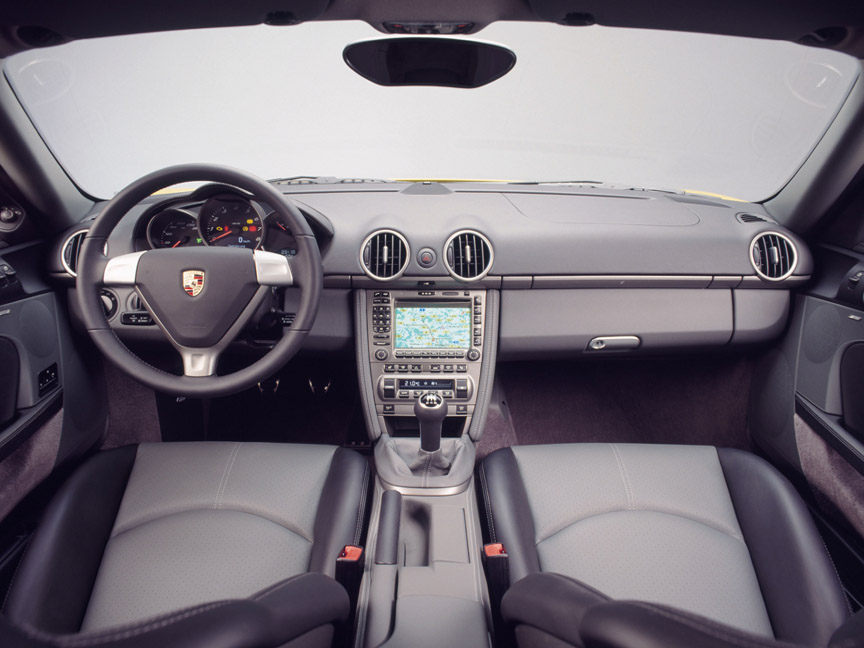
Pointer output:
x,y
491,324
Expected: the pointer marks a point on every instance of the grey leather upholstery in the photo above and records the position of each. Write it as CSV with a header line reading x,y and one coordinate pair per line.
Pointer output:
x,y
669,525
172,526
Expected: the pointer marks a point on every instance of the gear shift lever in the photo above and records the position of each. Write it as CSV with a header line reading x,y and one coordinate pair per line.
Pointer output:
x,y
430,409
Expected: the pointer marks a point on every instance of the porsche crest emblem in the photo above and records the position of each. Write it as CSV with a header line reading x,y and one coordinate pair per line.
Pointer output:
x,y
193,282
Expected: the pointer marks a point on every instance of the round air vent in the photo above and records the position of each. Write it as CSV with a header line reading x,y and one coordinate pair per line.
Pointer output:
x,y
468,255
773,256
70,251
384,254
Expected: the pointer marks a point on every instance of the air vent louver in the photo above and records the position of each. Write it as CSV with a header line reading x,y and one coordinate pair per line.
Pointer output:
x,y
468,255
384,254
751,218
70,251
773,256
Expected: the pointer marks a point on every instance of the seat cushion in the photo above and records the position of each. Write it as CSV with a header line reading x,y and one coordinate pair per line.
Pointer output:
x,y
662,524
185,523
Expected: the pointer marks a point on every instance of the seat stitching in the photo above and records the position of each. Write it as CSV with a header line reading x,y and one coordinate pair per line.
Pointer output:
x,y
622,470
643,510
223,483
484,486
361,509
296,532
115,635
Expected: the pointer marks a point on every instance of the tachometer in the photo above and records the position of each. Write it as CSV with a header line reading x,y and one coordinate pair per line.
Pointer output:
x,y
173,228
228,220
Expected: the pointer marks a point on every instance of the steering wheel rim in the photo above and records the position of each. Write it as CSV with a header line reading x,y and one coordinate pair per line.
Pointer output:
x,y
303,271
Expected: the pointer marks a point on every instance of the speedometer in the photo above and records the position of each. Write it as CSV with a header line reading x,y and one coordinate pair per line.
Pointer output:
x,y
173,228
228,220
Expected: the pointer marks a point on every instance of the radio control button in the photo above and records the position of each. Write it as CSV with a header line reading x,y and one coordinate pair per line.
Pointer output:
x,y
473,354
381,354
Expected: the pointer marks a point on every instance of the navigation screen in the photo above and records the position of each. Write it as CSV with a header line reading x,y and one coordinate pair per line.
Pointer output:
x,y
422,326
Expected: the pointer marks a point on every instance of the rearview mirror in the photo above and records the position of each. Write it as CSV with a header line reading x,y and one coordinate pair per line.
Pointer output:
x,y
429,61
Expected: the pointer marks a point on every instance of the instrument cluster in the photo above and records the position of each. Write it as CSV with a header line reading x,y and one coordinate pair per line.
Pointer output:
x,y
225,220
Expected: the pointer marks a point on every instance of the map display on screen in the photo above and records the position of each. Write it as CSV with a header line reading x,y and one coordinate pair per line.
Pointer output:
x,y
433,327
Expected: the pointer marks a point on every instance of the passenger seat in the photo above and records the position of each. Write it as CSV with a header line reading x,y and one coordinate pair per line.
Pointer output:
x,y
696,532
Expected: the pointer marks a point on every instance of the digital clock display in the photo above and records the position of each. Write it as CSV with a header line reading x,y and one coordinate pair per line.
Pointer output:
x,y
425,383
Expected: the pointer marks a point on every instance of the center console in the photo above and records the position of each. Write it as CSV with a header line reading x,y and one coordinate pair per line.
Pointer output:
x,y
426,359
425,340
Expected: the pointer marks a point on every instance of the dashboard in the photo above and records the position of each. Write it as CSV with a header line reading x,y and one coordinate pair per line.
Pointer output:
x,y
575,270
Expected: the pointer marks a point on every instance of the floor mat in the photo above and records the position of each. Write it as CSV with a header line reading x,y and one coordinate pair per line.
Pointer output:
x,y
682,400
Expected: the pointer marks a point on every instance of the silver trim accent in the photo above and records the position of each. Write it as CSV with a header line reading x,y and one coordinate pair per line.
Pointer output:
x,y
427,491
791,243
365,242
622,281
614,342
272,269
63,247
488,264
122,270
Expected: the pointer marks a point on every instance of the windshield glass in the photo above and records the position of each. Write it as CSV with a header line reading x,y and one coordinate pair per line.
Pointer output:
x,y
643,108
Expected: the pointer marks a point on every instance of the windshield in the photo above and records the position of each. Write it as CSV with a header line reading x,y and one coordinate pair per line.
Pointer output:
x,y
644,108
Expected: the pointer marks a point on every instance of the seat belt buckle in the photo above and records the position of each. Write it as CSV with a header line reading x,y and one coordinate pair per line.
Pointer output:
x,y
497,563
349,569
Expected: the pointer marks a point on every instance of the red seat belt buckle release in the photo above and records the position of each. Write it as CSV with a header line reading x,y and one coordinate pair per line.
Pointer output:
x,y
494,549
350,553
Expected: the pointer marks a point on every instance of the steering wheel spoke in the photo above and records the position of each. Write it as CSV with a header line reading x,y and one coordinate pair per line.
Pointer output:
x,y
272,269
199,363
122,270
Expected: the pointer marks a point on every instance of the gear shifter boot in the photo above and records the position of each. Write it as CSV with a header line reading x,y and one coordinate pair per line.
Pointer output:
x,y
430,463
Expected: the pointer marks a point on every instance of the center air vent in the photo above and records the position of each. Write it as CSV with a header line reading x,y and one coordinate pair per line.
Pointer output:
x,y
70,251
384,254
468,255
773,256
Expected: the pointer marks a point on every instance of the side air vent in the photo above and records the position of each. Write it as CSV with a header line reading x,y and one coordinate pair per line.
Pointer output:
x,y
384,254
70,251
751,218
468,255
773,256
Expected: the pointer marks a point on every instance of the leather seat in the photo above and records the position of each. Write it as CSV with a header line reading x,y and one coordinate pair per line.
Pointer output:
x,y
145,531
714,536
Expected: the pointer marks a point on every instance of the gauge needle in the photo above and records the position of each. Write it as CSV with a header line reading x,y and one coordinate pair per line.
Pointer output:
x,y
213,240
281,226
176,244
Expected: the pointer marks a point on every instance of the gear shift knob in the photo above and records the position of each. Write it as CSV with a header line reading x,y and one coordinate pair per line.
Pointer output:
x,y
430,409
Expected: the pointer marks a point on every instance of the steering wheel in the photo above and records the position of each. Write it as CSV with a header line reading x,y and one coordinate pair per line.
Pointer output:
x,y
199,297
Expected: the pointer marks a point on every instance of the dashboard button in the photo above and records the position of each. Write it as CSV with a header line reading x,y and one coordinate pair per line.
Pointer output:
x,y
389,368
435,368
448,368
461,368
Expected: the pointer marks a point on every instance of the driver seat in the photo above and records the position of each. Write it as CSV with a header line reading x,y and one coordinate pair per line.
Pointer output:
x,y
147,537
